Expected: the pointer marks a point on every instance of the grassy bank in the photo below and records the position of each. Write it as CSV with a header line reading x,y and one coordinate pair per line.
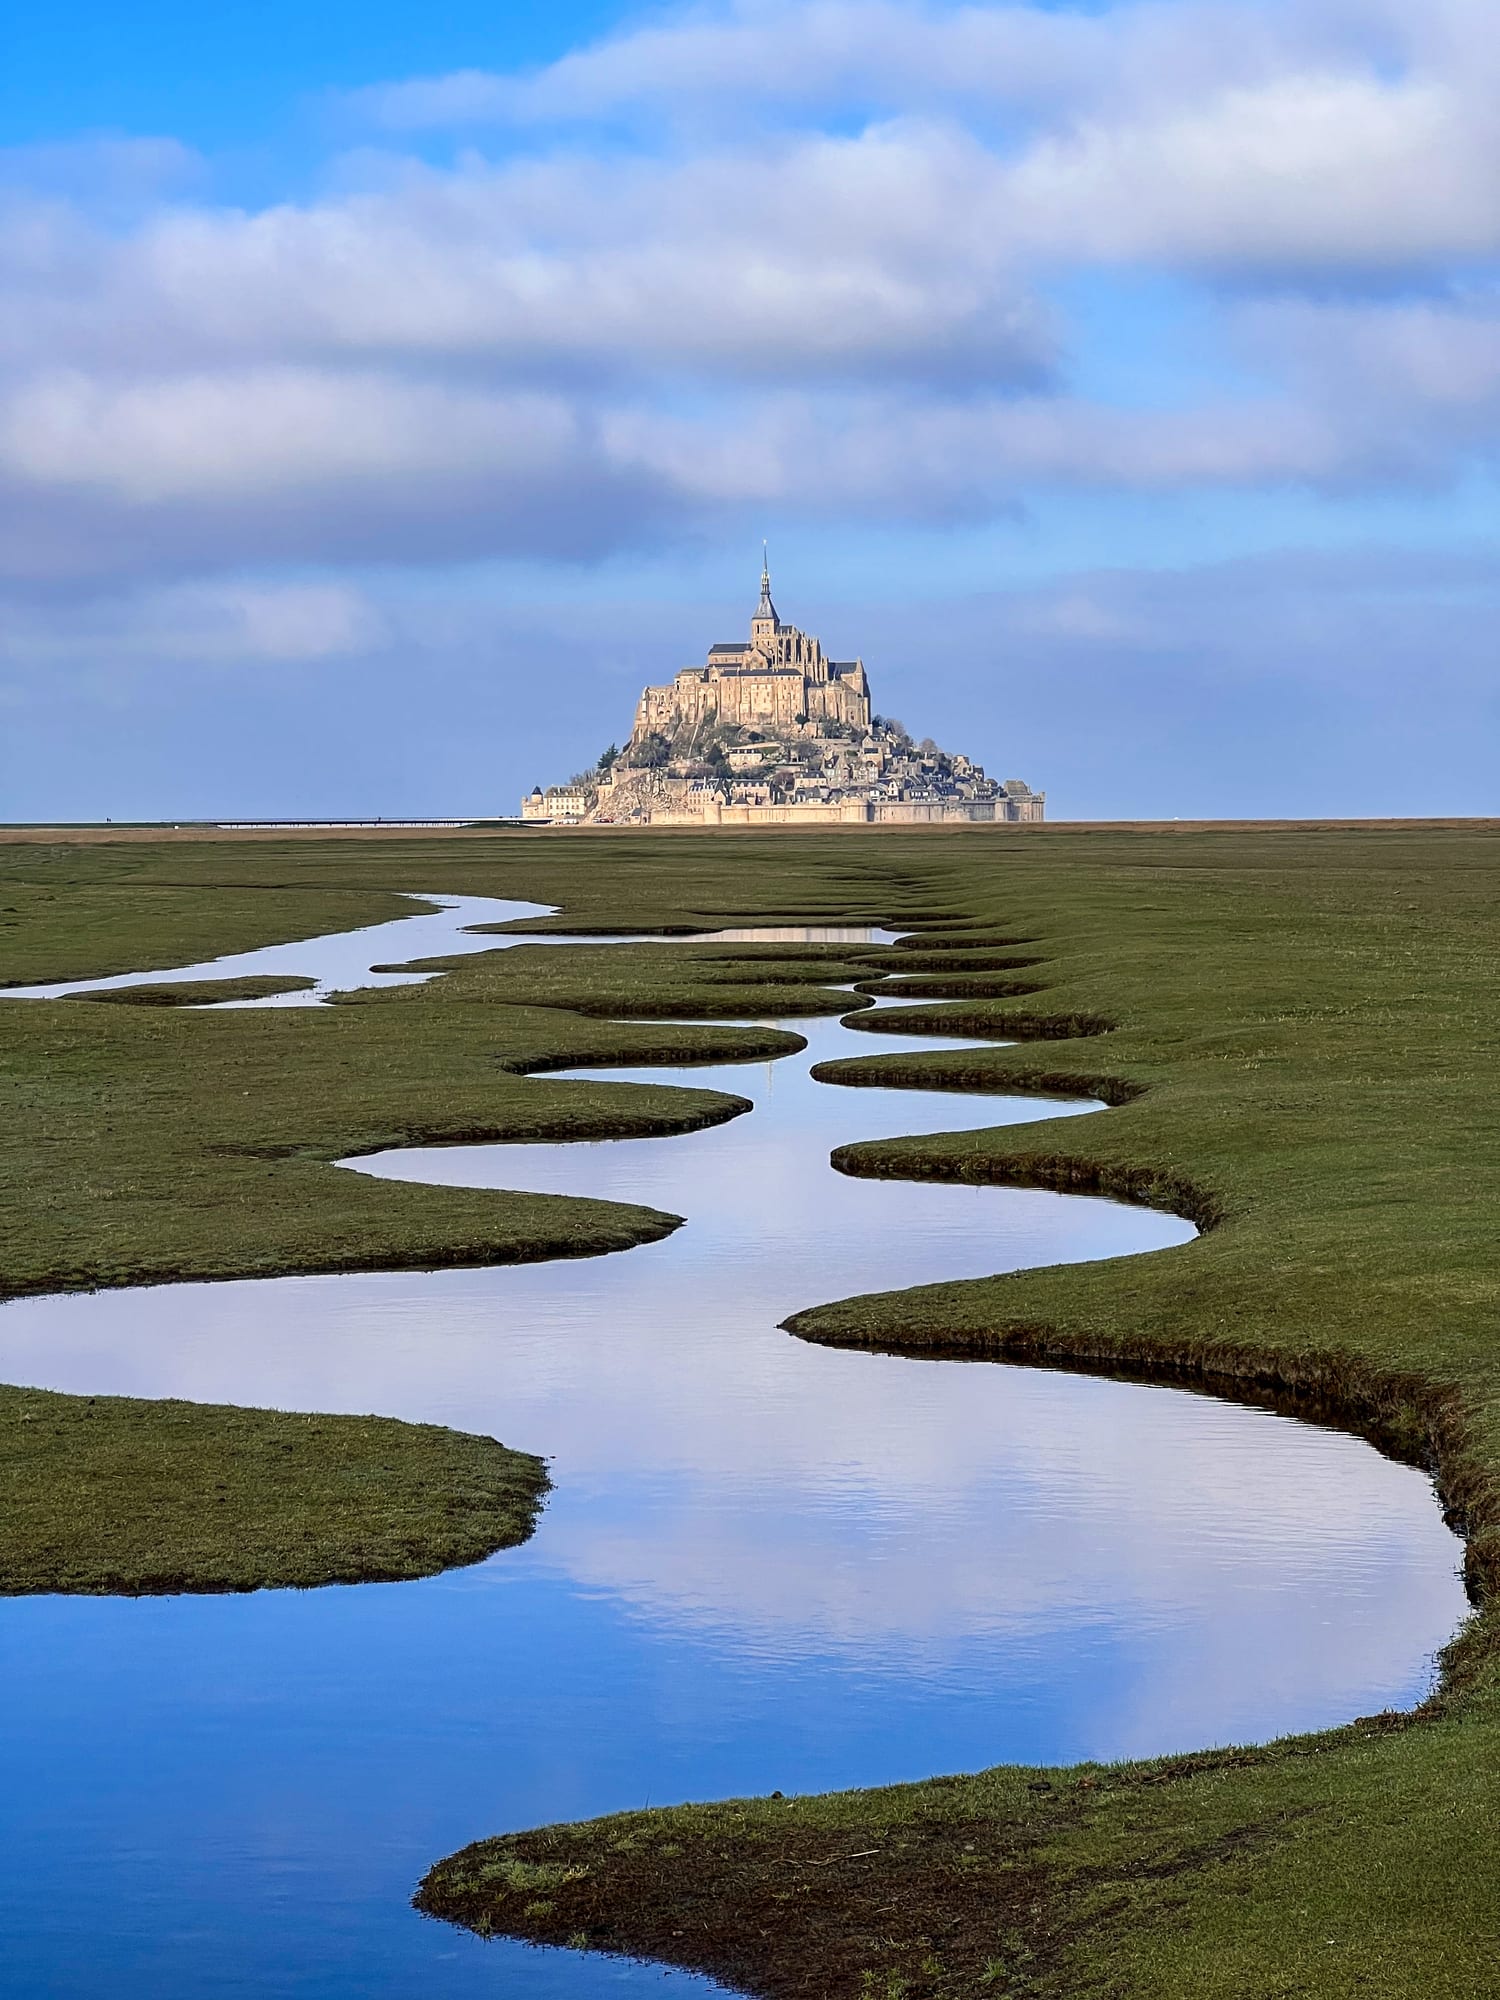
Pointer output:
x,y
110,1495
1299,1032
141,1143
69,913
1300,1035
199,992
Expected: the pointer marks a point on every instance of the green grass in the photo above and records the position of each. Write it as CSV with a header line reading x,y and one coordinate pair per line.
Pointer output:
x,y
145,1143
1299,1031
140,1145
1337,1869
74,913
184,1496
199,992
1300,1035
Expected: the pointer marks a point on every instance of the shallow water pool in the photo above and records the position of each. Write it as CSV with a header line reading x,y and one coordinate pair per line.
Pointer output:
x,y
764,1565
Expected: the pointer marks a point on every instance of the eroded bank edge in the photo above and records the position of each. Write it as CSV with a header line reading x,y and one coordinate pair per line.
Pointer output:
x,y
477,1509
518,1885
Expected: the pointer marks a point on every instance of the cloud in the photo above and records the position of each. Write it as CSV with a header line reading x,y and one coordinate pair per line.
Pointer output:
x,y
1349,133
109,168
1334,172
263,430
752,57
325,464
1297,684
328,464
1440,357
226,623
848,297
923,459
823,256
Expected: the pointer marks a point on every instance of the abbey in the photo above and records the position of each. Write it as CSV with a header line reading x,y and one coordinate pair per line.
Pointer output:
x,y
770,731
779,678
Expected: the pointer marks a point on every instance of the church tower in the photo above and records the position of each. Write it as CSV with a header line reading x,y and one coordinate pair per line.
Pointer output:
x,y
765,624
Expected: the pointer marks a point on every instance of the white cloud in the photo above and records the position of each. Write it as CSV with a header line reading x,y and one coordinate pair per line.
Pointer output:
x,y
109,167
233,622
1333,171
1347,131
826,284
376,464
1078,613
1439,357
751,56
863,255
317,463
263,431
283,622
925,458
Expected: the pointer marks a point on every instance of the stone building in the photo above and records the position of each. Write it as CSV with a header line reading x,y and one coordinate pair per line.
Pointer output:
x,y
778,679
770,732
558,802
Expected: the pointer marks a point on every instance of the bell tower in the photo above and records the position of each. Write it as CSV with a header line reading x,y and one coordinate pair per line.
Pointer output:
x,y
765,624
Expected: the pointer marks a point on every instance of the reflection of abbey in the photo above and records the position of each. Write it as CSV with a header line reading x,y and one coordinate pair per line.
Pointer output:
x,y
771,731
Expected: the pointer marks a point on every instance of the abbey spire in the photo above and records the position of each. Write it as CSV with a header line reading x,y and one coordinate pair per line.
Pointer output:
x,y
765,623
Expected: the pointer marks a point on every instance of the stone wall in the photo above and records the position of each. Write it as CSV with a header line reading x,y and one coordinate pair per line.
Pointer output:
x,y
768,685
855,812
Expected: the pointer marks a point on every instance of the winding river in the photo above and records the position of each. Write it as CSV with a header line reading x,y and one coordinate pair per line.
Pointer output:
x,y
764,1565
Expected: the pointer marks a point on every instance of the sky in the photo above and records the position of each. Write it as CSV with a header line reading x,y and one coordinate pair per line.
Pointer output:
x,y
386,394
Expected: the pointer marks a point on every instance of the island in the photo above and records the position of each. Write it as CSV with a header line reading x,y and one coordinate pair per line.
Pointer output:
x,y
769,731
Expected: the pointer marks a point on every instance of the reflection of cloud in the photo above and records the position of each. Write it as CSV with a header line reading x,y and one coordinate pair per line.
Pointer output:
x,y
888,1518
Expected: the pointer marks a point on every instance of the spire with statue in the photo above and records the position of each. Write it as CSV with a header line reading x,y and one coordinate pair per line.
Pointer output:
x,y
765,611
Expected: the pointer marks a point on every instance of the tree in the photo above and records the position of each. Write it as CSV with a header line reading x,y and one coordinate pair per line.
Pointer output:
x,y
607,758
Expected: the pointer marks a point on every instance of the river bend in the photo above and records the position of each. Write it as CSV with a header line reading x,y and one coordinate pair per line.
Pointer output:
x,y
764,1565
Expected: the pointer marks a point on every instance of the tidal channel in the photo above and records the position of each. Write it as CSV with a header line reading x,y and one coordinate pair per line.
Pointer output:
x,y
764,1565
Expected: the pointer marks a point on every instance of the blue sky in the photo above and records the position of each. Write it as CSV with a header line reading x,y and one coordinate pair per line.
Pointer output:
x,y
386,393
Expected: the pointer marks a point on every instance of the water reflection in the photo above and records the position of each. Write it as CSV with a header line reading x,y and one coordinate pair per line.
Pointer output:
x,y
337,962
764,1565
345,959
